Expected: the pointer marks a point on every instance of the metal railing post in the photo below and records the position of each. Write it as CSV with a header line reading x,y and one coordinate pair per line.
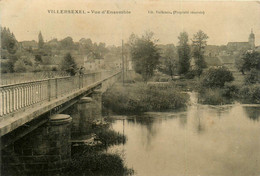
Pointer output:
x,y
49,90
56,87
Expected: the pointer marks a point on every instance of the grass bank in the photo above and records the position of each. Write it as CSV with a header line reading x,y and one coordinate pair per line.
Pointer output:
x,y
141,97
229,94
93,161
89,161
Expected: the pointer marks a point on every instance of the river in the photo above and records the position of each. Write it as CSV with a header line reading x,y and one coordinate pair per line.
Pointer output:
x,y
200,141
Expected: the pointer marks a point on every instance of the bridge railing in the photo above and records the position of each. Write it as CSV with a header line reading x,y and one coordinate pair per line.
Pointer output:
x,y
19,96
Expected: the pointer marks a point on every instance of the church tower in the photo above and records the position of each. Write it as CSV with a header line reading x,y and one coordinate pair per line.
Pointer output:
x,y
251,40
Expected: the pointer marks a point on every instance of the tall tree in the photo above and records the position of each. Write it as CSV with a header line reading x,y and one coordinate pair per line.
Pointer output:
x,y
169,63
40,41
145,55
184,53
8,41
199,42
249,63
69,65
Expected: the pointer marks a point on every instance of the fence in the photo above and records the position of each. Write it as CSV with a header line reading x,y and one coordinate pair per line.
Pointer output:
x,y
18,96
14,78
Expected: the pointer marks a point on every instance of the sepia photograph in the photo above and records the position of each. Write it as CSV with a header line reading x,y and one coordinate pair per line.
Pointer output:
x,y
129,88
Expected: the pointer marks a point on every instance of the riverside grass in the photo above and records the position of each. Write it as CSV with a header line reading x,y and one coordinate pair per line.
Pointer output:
x,y
140,97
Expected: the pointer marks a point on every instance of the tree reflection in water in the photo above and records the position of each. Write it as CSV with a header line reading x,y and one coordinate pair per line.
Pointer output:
x,y
253,113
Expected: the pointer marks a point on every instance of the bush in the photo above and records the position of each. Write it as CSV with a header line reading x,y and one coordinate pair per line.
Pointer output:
x,y
212,97
230,91
138,98
253,77
250,94
90,162
216,77
109,137
20,66
190,75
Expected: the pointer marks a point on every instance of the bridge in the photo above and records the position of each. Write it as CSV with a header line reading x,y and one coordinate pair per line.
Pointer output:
x,y
35,106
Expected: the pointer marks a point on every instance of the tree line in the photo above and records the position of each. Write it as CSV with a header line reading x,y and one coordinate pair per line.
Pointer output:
x,y
146,55
45,55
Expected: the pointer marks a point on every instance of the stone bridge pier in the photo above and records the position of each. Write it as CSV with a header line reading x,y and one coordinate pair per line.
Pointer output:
x,y
37,147
89,110
45,151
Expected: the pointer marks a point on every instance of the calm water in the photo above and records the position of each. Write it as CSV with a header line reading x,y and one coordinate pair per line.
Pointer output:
x,y
202,141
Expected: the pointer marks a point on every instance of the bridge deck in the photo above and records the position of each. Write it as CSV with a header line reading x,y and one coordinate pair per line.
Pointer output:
x,y
15,96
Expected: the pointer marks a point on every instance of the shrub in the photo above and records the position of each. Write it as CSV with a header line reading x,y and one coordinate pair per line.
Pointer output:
x,y
250,94
109,137
137,98
90,162
212,97
253,77
216,77
190,75
19,66
230,90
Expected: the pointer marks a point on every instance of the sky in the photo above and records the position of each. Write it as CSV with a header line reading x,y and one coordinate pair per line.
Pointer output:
x,y
222,21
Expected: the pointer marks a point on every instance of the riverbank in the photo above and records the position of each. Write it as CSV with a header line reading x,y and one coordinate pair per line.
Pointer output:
x,y
140,97
88,156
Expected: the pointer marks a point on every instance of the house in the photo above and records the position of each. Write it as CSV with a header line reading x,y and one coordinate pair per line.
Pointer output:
x,y
91,64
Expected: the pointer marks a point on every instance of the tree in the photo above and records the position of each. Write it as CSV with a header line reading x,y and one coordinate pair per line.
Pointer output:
x,y
69,65
184,53
250,62
169,63
199,42
38,58
145,55
40,41
67,43
23,64
216,77
8,41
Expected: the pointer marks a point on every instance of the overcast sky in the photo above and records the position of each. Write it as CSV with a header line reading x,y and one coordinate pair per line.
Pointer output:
x,y
222,21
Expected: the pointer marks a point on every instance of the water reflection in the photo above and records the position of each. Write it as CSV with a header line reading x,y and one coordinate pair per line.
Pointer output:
x,y
183,120
253,113
201,141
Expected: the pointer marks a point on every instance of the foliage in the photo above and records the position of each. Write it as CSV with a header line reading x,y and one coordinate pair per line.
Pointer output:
x,y
8,40
216,77
199,42
253,76
7,67
138,98
109,137
190,74
249,60
184,53
40,40
20,66
67,43
90,162
213,97
250,93
250,63
38,58
145,55
168,63
230,90
69,65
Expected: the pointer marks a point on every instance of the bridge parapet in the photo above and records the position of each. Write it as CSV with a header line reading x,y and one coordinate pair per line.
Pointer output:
x,y
16,97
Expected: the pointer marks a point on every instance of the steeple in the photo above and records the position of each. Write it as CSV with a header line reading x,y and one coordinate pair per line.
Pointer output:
x,y
251,40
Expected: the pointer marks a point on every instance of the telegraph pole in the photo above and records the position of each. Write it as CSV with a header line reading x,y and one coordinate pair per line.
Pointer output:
x,y
123,62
